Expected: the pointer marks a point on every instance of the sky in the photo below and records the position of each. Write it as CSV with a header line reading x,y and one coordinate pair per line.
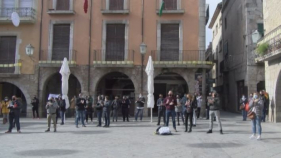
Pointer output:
x,y
212,5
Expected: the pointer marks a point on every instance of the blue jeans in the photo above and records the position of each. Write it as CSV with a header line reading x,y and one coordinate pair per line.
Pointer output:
x,y
62,116
137,114
99,114
106,115
80,115
173,114
244,115
256,123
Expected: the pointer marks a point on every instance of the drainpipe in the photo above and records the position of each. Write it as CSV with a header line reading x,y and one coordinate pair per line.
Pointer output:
x,y
90,41
40,44
142,15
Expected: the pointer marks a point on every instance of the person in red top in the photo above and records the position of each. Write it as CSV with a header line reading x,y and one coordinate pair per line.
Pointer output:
x,y
170,102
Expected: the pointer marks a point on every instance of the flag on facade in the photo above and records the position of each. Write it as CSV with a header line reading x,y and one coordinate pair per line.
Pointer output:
x,y
161,9
86,6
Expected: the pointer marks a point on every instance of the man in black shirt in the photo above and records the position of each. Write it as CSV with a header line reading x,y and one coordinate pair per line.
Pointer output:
x,y
35,103
80,105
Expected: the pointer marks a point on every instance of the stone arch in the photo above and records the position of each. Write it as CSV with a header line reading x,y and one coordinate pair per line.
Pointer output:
x,y
22,89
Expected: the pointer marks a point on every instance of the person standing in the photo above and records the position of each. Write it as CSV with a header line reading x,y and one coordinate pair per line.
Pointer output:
x,y
14,114
125,108
72,106
207,106
4,109
194,107
199,104
243,102
106,111
51,108
35,104
256,105
99,107
170,102
57,100
161,109
140,105
265,98
62,109
115,107
89,108
81,104
188,112
178,110
214,105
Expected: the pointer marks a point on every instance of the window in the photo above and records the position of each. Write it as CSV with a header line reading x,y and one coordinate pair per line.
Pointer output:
x,y
61,40
7,52
169,42
170,4
115,42
7,7
63,5
261,29
116,4
216,29
225,23
26,3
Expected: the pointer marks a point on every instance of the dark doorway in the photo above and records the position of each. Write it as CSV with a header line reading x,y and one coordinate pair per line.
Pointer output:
x,y
53,86
168,81
8,89
117,84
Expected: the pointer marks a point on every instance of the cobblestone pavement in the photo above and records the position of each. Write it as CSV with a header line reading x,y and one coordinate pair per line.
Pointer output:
x,y
137,139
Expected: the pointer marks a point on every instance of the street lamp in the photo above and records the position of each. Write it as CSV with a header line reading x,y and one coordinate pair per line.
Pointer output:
x,y
142,51
29,49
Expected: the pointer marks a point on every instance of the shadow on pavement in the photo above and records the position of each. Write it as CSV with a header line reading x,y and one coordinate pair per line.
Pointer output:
x,y
90,132
215,145
46,152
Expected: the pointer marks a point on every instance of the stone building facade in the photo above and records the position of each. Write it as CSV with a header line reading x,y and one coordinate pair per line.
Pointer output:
x,y
99,64
240,18
271,57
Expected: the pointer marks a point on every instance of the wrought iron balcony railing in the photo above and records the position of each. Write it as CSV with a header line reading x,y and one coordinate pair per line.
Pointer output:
x,y
56,56
8,66
115,6
113,57
23,12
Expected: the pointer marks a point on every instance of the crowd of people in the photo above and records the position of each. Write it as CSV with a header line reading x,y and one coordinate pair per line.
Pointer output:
x,y
185,109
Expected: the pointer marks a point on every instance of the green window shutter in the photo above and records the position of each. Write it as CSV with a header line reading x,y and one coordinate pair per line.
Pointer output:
x,y
261,29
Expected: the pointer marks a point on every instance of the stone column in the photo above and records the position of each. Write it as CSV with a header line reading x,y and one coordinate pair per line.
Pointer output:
x,y
203,106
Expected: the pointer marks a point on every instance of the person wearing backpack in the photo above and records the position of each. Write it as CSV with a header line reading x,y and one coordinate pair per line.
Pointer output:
x,y
214,104
256,106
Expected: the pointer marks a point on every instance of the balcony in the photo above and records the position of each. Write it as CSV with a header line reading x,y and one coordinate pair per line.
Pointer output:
x,y
59,7
180,58
170,7
101,58
115,6
27,15
54,57
8,68
273,52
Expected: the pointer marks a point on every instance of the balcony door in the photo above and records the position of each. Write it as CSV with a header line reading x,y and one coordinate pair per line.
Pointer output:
x,y
25,8
169,42
7,52
63,5
115,42
61,40
7,7
116,4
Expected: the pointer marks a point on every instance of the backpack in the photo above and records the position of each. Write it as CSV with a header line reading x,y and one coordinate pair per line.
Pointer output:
x,y
163,131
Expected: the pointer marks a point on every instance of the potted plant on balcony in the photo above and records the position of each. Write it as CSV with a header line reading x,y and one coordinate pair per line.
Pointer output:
x,y
262,49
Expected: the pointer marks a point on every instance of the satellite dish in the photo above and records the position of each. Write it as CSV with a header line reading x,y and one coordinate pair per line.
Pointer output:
x,y
15,19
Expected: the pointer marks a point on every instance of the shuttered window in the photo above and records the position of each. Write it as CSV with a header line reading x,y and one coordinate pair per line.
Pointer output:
x,y
170,4
115,42
169,42
61,39
6,4
116,4
63,5
25,8
7,52
25,3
